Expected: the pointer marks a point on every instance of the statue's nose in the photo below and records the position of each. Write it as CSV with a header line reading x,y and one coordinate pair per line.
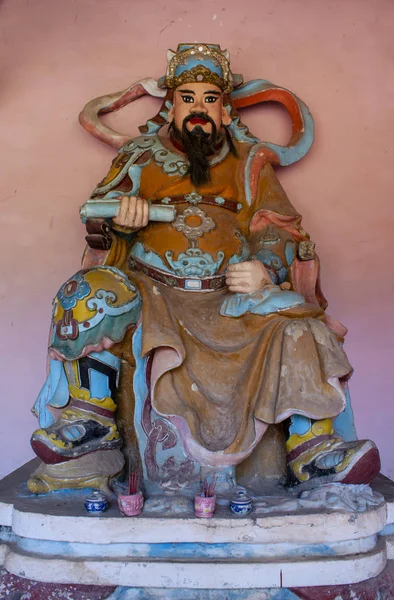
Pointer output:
x,y
199,105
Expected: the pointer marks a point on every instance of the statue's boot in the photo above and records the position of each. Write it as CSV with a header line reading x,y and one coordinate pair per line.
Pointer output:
x,y
84,426
316,455
87,422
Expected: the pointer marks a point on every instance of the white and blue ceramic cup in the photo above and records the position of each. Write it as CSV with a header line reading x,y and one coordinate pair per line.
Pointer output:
x,y
96,503
241,504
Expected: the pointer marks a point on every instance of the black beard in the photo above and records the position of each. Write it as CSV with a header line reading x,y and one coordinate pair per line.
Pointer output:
x,y
198,146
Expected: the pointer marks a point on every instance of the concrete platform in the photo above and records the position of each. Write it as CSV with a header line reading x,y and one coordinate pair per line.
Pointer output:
x,y
52,539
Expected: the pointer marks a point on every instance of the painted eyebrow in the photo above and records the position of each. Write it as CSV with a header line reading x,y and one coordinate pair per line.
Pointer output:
x,y
187,92
213,92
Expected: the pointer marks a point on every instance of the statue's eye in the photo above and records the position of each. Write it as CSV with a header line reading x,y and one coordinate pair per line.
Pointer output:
x,y
210,99
189,99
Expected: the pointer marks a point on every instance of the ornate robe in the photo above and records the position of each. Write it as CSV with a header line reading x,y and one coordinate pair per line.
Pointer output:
x,y
223,363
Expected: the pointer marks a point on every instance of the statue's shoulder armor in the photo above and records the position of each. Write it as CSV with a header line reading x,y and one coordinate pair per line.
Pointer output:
x,y
136,152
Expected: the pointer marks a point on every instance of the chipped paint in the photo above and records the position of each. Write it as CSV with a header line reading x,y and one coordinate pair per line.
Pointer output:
x,y
320,333
295,330
189,550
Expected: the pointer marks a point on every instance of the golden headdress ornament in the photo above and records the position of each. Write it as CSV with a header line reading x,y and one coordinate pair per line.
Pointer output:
x,y
197,63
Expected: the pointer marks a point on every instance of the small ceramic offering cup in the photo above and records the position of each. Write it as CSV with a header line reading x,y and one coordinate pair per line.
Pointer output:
x,y
96,503
241,504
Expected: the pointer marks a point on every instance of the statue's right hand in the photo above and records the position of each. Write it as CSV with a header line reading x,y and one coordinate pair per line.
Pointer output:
x,y
133,213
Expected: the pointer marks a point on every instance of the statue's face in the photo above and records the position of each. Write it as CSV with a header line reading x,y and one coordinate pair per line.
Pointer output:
x,y
202,99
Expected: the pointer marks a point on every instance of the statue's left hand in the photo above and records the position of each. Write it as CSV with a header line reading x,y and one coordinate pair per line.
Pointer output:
x,y
247,277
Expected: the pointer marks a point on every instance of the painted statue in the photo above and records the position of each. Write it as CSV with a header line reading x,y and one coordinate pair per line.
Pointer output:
x,y
195,335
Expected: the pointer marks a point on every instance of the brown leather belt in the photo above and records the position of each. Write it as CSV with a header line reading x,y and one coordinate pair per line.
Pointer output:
x,y
218,201
192,284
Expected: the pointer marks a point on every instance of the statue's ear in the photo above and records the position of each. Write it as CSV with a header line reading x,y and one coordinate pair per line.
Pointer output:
x,y
170,116
226,118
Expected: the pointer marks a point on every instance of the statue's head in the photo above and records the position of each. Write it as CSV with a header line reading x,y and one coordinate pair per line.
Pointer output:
x,y
199,76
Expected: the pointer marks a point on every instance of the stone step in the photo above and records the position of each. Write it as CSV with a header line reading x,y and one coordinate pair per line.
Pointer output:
x,y
200,574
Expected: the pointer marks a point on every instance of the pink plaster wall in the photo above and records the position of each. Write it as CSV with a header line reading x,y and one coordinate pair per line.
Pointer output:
x,y
337,56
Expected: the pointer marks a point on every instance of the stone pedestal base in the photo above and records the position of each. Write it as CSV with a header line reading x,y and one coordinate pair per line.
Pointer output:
x,y
51,538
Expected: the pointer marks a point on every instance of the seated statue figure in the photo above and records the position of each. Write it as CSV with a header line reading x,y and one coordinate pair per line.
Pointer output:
x,y
195,335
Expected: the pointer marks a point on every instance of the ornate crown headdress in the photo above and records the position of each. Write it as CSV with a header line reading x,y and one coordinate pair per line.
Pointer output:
x,y
197,63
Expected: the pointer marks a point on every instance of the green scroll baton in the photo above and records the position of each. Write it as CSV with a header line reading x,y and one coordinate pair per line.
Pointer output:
x,y
105,209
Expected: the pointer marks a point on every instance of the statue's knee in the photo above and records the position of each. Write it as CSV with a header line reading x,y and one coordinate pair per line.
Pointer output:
x,y
92,311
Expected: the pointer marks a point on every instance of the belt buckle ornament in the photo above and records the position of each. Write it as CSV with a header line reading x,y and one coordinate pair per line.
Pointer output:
x,y
193,284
